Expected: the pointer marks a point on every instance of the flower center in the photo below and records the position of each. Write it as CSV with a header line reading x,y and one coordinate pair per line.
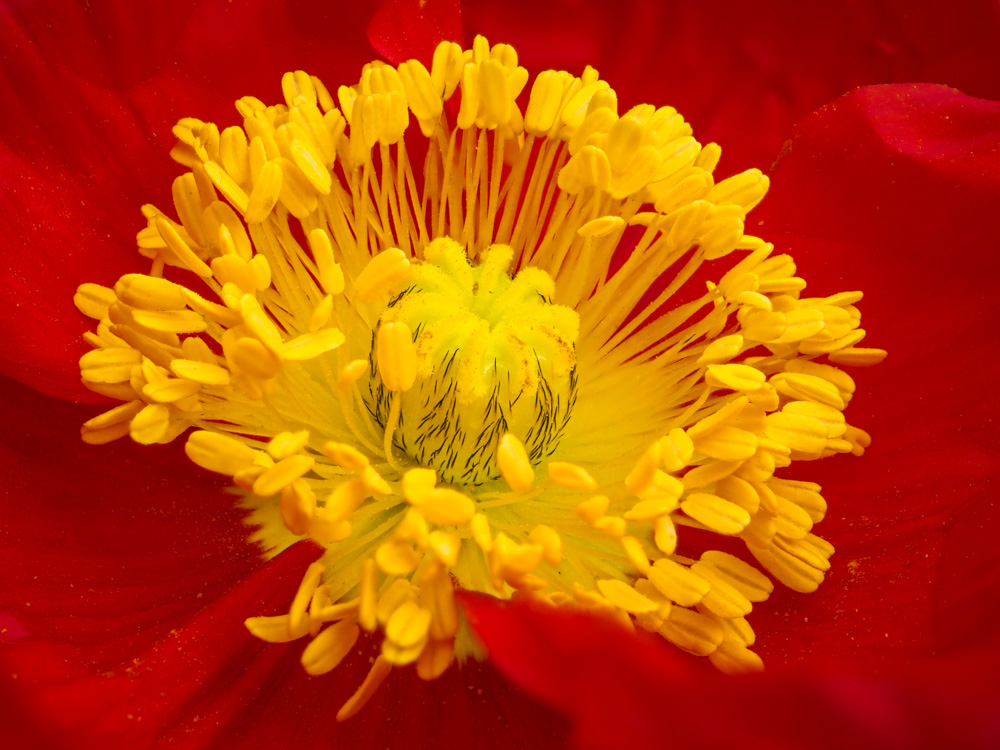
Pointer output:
x,y
438,374
487,355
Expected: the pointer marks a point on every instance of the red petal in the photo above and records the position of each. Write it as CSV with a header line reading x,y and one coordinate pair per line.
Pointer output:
x,y
892,190
122,546
411,29
623,691
88,131
744,73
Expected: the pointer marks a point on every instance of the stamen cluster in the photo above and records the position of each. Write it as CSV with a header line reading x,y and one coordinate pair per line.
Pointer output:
x,y
492,371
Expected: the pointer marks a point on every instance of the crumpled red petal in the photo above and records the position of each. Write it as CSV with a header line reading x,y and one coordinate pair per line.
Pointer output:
x,y
624,691
86,137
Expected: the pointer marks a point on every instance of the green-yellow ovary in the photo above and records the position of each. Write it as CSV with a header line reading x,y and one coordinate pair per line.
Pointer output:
x,y
490,370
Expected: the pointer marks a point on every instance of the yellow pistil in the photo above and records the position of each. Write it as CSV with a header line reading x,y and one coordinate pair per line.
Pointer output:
x,y
433,372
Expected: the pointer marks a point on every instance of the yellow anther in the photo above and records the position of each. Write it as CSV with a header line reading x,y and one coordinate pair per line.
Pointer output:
x,y
550,542
481,532
746,189
266,191
678,583
396,558
345,455
676,450
298,622
286,444
722,598
350,374
299,85
331,277
515,560
800,433
644,472
601,227
408,625
374,481
200,372
446,68
831,417
149,293
251,358
800,325
122,413
692,631
321,314
857,357
298,507
234,153
271,629
636,554
797,574
435,658
312,345
170,390
445,547
721,350
170,321
395,596
588,168
423,98
750,582
382,274
112,365
611,526
735,377
282,474
738,491
150,425
418,484
716,513
735,658
219,453
93,300
515,467
570,475
397,356
227,186
649,510
727,414
593,509
413,528
622,595
260,323
437,595
447,507
323,530
804,494
545,100
310,161
792,522
727,444
329,648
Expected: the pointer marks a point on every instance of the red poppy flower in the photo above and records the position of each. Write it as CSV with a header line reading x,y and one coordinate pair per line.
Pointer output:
x,y
127,571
